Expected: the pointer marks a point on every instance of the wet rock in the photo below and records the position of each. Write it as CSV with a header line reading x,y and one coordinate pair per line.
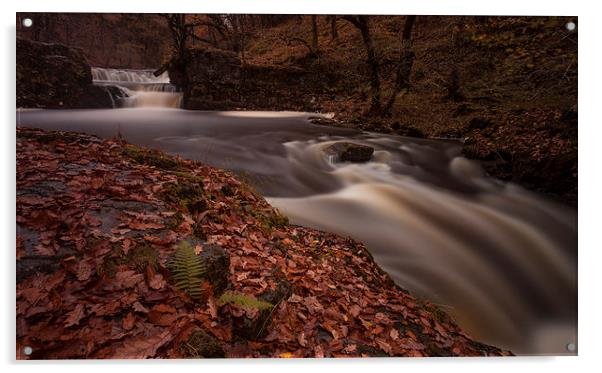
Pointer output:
x,y
322,121
217,262
56,76
410,131
350,152
256,327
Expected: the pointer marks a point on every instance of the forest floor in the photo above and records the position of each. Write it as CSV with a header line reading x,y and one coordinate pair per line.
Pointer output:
x,y
98,222
507,86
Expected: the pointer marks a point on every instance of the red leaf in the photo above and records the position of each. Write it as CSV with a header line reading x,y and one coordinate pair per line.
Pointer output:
x,y
157,282
164,308
84,270
139,226
128,321
75,316
142,347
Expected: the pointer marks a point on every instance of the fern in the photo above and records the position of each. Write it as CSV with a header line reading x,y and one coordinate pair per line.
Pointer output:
x,y
187,270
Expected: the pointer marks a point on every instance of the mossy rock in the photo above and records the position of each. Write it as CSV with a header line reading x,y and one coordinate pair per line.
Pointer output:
x,y
141,256
150,157
254,329
201,344
187,195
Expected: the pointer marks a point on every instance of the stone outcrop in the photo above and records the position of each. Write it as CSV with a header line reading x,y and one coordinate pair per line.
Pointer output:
x,y
214,79
56,76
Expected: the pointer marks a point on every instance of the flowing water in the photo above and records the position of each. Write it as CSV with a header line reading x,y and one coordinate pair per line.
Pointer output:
x,y
139,88
501,260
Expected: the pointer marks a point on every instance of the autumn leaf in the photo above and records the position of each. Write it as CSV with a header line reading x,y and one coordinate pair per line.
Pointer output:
x,y
138,307
157,282
75,315
84,270
96,183
44,250
31,200
164,308
143,347
128,321
410,344
125,279
139,226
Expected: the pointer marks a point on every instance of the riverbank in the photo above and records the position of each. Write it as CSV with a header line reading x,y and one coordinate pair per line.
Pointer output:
x,y
98,223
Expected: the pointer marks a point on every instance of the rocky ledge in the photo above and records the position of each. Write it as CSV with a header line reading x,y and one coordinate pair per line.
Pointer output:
x,y
99,224
56,76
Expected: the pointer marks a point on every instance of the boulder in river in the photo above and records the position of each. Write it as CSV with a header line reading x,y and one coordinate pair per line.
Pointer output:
x,y
351,152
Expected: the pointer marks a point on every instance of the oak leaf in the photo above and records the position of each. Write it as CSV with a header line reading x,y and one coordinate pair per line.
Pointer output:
x,y
75,315
142,347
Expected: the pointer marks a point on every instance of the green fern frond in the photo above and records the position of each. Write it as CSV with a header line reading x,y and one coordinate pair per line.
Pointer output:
x,y
242,300
187,270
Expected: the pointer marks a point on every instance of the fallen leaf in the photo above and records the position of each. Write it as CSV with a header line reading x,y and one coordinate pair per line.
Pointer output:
x,y
84,270
75,316
157,282
139,226
142,347
128,321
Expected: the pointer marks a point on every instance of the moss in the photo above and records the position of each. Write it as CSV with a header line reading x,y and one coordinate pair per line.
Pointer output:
x,y
109,267
187,176
242,300
174,221
198,231
49,137
188,196
275,219
142,256
150,157
227,190
201,344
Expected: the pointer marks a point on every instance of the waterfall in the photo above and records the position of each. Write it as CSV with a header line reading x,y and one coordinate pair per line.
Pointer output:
x,y
138,88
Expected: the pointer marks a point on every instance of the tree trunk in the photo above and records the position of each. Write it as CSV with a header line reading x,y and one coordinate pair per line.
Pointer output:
x,y
314,34
333,28
404,67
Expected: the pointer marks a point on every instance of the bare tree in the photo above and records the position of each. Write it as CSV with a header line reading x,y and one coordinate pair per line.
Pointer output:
x,y
361,23
314,34
333,27
183,31
404,67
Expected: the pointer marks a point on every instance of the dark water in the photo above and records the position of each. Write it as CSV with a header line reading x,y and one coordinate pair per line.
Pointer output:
x,y
500,259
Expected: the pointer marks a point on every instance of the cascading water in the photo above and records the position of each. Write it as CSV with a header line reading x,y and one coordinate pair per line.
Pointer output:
x,y
500,259
138,88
